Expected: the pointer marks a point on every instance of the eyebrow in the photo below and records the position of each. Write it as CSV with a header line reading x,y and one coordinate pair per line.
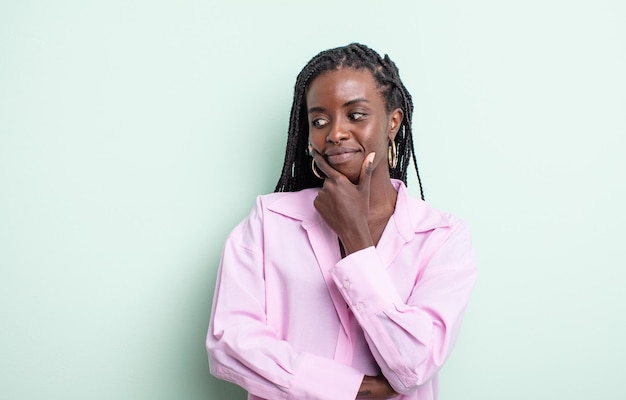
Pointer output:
x,y
346,104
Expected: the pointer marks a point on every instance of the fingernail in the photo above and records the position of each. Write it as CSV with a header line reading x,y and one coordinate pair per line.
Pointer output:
x,y
370,158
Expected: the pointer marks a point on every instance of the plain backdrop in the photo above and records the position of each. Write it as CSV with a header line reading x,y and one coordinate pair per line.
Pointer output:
x,y
134,135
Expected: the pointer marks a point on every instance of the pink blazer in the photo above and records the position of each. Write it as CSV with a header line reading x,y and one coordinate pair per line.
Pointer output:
x,y
291,319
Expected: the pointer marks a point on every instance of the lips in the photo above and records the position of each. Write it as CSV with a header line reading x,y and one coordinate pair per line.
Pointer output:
x,y
338,155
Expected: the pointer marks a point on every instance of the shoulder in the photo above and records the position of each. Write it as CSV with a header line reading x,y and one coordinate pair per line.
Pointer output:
x,y
416,215
273,212
448,235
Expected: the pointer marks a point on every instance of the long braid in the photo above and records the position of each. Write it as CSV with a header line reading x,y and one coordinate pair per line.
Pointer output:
x,y
296,173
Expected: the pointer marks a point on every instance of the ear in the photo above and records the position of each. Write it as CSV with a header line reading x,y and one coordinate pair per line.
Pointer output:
x,y
395,119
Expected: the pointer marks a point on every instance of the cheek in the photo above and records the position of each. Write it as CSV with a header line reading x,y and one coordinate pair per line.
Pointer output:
x,y
379,139
317,139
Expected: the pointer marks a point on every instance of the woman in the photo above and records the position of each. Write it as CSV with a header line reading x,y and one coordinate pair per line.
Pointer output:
x,y
340,285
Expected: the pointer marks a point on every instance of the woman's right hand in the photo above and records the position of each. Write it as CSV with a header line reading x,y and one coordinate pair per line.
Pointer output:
x,y
376,387
345,205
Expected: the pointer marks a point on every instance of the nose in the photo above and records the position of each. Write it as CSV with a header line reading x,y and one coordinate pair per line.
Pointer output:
x,y
337,133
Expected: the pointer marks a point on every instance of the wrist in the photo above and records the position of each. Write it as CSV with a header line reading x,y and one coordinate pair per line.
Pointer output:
x,y
353,243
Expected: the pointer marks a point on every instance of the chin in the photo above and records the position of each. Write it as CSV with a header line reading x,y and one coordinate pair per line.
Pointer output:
x,y
352,176
351,170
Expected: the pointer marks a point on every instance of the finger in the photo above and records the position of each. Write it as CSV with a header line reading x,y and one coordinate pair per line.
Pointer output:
x,y
366,172
324,166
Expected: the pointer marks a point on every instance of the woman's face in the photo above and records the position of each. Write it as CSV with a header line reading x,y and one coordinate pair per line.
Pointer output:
x,y
348,121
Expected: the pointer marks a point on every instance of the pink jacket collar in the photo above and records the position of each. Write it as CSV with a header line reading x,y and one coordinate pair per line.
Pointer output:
x,y
410,216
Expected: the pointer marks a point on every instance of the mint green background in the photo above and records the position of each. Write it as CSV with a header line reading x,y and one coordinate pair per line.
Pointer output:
x,y
135,134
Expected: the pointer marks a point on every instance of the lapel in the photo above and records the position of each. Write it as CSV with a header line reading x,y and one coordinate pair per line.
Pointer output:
x,y
325,245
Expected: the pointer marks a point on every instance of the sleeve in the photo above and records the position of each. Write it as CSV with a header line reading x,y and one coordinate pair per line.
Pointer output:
x,y
244,350
411,339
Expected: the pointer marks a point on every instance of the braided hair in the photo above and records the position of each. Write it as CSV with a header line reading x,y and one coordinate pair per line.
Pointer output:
x,y
297,173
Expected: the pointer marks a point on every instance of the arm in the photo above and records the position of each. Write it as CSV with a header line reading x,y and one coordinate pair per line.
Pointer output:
x,y
411,338
244,350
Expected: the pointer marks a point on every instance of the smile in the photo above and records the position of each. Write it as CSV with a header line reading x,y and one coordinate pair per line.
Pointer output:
x,y
338,155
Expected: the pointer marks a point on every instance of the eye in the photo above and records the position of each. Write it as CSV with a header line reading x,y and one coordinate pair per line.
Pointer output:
x,y
355,116
319,122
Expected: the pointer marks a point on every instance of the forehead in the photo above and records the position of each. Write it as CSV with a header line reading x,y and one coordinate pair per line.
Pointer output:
x,y
343,85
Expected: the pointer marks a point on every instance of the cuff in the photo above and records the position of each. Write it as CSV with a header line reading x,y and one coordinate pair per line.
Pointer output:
x,y
324,379
364,283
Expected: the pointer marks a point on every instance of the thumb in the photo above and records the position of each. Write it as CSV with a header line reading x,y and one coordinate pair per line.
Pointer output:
x,y
366,171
